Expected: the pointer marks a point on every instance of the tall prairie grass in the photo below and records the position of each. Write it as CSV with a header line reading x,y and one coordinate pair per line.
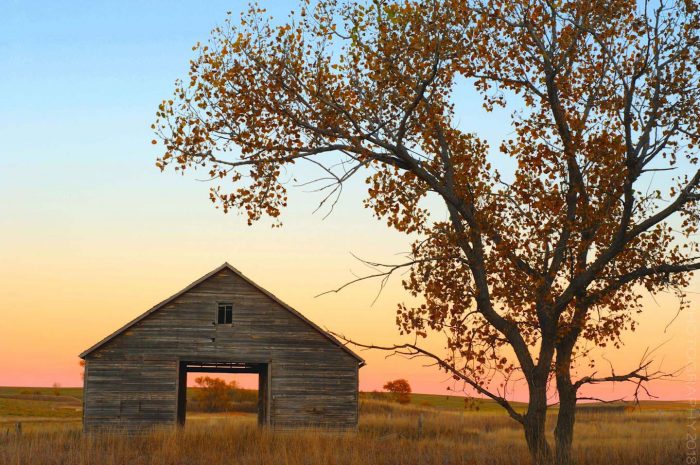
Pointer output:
x,y
388,434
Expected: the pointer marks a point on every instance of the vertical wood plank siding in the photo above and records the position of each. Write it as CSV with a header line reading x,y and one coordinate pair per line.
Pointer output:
x,y
131,381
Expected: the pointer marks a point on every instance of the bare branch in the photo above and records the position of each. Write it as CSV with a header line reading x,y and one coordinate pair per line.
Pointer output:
x,y
412,350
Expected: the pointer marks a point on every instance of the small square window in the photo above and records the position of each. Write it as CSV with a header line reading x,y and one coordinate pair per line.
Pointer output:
x,y
225,314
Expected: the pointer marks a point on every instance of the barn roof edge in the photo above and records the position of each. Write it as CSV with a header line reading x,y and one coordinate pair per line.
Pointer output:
x,y
225,266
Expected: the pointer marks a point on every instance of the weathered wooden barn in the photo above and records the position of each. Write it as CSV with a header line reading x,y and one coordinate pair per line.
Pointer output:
x,y
222,323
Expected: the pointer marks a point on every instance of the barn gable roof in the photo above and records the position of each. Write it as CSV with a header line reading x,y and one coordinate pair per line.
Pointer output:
x,y
225,266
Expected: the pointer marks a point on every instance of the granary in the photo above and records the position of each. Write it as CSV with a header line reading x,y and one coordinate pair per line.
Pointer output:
x,y
222,323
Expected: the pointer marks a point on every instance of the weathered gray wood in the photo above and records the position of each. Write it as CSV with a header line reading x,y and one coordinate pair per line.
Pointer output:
x,y
133,379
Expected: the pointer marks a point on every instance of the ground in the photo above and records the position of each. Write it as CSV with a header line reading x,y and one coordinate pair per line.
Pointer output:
x,y
431,430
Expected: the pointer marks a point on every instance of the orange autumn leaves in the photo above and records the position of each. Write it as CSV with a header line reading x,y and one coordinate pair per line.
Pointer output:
x,y
603,94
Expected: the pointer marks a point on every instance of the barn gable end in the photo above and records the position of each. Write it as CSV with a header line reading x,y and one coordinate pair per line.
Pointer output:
x,y
134,376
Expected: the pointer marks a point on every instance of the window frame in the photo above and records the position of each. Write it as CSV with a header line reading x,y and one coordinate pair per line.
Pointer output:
x,y
227,308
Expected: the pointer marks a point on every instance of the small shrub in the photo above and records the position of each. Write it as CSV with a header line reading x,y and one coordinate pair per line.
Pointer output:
x,y
213,394
400,390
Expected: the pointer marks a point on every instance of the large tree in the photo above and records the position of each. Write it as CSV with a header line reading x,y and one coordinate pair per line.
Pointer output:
x,y
527,269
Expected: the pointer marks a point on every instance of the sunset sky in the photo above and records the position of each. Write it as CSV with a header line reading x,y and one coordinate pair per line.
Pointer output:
x,y
92,234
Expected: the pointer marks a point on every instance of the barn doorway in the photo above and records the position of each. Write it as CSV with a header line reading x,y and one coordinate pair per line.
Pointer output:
x,y
260,369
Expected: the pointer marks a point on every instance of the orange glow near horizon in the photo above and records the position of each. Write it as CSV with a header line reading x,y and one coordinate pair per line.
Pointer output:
x,y
53,311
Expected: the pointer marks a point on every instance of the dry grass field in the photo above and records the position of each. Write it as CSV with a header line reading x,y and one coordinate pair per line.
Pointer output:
x,y
388,434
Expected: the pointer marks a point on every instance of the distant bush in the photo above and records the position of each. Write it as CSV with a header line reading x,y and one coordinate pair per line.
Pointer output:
x,y
400,390
215,395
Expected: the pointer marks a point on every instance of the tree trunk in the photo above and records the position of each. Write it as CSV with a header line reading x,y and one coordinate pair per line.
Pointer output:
x,y
564,431
534,426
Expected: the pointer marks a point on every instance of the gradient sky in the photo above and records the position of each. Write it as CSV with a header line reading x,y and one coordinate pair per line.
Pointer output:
x,y
92,234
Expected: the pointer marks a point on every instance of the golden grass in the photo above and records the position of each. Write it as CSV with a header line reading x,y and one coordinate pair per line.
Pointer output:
x,y
388,434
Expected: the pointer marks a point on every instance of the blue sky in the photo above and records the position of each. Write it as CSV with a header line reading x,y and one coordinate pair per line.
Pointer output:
x,y
80,85
81,80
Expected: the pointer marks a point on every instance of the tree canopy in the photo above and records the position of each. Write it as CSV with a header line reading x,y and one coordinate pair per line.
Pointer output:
x,y
542,263
400,390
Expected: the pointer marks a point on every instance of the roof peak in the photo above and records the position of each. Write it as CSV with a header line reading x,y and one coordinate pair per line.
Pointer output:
x,y
224,266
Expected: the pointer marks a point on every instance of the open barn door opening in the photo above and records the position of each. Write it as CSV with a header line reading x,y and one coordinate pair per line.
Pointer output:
x,y
208,368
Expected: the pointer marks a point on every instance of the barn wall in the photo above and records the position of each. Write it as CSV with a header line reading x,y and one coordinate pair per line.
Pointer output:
x,y
132,380
135,393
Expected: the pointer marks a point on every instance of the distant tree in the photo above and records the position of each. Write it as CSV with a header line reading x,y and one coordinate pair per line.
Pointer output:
x,y
56,389
82,371
214,395
400,390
